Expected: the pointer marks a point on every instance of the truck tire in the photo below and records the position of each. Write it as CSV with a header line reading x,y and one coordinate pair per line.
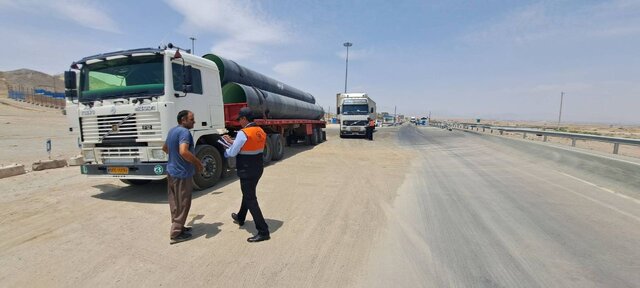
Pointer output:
x,y
291,140
267,153
210,158
136,182
314,137
324,136
278,146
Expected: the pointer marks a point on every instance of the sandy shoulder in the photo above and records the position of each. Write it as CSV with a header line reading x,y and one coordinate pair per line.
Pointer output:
x,y
326,207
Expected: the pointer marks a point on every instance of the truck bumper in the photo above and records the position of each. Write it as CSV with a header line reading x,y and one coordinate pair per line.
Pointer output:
x,y
353,131
148,171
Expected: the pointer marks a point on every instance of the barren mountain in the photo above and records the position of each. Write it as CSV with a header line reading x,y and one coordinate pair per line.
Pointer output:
x,y
29,79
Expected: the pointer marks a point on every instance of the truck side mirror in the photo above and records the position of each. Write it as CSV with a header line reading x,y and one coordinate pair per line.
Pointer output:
x,y
70,80
371,109
70,94
338,111
70,87
187,79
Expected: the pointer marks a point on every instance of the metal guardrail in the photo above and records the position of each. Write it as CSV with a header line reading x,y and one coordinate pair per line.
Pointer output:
x,y
616,141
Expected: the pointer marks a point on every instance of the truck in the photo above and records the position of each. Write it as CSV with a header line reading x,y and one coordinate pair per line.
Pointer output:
x,y
123,104
353,109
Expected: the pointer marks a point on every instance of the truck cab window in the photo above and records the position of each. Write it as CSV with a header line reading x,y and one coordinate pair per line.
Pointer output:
x,y
122,78
177,78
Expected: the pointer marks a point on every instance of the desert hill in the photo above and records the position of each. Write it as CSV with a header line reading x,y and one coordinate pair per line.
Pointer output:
x,y
29,79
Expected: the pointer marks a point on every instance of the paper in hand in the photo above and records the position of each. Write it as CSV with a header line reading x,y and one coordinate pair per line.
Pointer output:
x,y
224,143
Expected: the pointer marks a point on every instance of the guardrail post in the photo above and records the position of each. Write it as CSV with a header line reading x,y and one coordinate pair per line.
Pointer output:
x,y
482,129
544,139
573,142
616,146
501,132
524,135
491,131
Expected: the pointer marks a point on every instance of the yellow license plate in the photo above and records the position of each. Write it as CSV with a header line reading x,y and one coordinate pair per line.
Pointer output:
x,y
117,170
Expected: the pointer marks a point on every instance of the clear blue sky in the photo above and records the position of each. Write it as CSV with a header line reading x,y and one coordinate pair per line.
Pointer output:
x,y
475,59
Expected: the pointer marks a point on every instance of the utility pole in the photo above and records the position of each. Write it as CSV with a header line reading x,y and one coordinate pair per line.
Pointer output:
x,y
560,114
395,116
346,70
193,49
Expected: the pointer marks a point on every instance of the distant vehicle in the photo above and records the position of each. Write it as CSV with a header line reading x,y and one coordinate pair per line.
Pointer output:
x,y
353,109
412,120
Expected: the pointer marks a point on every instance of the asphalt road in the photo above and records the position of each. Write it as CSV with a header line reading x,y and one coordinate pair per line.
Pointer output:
x,y
485,211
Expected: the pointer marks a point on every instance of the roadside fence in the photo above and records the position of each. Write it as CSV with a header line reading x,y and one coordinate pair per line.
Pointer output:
x,y
36,96
616,141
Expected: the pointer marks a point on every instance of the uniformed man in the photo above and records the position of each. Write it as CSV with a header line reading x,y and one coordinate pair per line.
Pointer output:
x,y
369,129
247,147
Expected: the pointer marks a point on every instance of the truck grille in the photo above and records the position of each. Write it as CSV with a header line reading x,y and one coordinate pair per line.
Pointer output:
x,y
137,127
105,154
354,122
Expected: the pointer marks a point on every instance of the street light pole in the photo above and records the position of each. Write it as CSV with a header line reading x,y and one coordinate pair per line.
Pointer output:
x,y
193,50
346,70
560,114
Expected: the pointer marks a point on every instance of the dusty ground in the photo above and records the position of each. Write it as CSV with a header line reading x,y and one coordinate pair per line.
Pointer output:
x,y
24,130
324,205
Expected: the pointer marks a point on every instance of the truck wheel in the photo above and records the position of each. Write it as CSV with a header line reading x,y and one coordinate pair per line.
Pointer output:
x,y
290,140
136,182
314,137
324,136
212,162
267,153
278,146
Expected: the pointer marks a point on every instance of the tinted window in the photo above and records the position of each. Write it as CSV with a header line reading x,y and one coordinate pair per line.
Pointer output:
x,y
177,78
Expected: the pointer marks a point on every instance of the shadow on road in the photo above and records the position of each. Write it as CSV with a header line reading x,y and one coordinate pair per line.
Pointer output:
x,y
156,191
207,230
250,227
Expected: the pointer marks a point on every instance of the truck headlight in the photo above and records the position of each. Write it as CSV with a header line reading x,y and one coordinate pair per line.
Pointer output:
x,y
88,155
158,154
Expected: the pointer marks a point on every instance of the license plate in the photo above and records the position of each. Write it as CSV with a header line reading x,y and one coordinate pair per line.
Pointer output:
x,y
117,170
353,129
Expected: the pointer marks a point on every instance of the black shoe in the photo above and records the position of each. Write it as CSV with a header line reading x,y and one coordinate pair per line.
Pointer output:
x,y
186,229
234,216
258,238
184,236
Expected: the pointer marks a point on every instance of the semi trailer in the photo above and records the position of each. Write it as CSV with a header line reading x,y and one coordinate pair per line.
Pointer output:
x,y
124,103
353,109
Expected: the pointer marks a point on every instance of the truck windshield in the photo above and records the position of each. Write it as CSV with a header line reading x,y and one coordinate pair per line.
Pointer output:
x,y
355,109
122,78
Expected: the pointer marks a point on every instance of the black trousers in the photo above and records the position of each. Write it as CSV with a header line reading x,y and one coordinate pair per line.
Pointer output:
x,y
250,203
369,133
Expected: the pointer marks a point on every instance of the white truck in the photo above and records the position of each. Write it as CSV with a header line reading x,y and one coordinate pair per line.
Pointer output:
x,y
124,103
353,109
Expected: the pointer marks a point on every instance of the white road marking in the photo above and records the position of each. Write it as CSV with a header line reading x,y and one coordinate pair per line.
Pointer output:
x,y
583,196
601,188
